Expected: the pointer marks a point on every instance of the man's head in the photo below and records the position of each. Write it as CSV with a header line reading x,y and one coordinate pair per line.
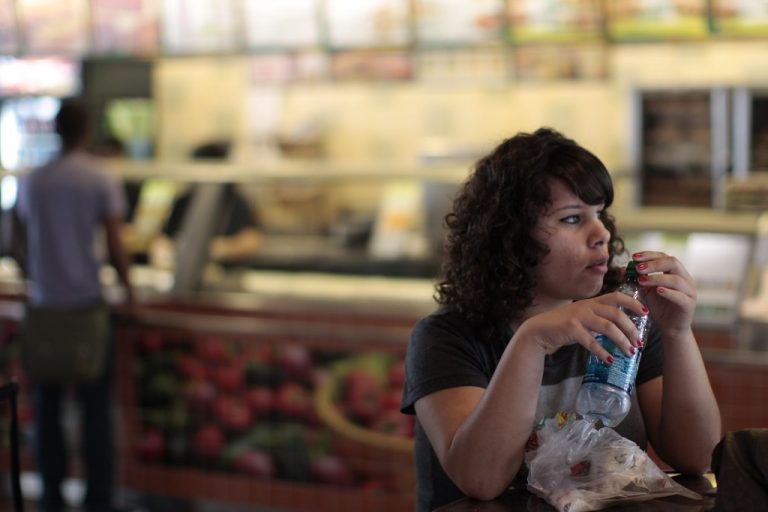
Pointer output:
x,y
73,124
215,150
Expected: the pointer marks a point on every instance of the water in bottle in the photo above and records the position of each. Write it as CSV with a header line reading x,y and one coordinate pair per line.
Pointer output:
x,y
606,389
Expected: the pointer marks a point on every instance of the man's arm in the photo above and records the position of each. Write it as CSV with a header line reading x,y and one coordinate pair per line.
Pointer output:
x,y
18,248
117,255
242,246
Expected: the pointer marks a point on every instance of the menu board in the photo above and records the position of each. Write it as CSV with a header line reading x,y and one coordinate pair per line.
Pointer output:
x,y
368,23
284,68
740,18
440,22
656,19
561,62
463,65
283,24
54,26
555,20
372,65
8,36
125,26
202,26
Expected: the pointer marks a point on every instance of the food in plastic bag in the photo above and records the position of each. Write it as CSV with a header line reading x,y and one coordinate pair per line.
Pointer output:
x,y
577,467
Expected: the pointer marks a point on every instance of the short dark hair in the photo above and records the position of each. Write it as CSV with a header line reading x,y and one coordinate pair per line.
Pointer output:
x,y
73,122
214,150
491,253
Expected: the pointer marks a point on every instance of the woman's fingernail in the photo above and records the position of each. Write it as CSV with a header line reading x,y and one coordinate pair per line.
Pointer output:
x,y
632,350
609,360
642,279
642,266
637,255
640,342
645,310
661,290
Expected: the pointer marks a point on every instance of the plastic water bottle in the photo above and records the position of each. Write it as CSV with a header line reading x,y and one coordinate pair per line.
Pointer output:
x,y
606,389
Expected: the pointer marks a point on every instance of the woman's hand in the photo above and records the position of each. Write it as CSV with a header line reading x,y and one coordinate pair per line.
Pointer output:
x,y
577,322
670,291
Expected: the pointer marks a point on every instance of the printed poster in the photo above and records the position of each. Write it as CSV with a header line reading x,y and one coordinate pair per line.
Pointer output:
x,y
628,20
202,26
125,27
283,24
555,21
53,26
440,22
740,17
368,23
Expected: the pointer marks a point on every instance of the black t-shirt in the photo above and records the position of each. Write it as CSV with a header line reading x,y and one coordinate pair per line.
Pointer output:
x,y
236,214
446,351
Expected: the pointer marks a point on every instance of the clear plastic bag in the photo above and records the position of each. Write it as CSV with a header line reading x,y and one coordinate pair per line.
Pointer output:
x,y
576,467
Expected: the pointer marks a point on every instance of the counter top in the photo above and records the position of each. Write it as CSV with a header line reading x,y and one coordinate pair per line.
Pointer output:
x,y
522,500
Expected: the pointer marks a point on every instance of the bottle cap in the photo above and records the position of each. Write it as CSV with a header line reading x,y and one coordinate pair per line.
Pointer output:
x,y
631,274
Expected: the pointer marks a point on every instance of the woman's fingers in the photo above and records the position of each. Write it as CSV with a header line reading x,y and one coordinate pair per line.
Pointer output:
x,y
588,341
608,319
653,262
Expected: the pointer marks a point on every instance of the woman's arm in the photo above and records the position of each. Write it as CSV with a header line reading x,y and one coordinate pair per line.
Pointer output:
x,y
680,410
479,435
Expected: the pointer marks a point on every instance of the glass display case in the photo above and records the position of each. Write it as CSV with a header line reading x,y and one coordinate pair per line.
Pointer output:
x,y
314,217
283,411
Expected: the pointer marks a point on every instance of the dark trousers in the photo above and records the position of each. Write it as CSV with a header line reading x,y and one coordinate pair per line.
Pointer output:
x,y
96,442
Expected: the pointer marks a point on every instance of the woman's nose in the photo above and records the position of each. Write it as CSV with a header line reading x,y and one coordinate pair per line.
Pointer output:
x,y
600,234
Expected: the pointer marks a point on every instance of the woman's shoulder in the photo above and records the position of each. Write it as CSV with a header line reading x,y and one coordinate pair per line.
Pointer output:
x,y
444,317
450,322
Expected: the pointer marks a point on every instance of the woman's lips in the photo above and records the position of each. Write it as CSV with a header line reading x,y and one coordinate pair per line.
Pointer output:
x,y
600,267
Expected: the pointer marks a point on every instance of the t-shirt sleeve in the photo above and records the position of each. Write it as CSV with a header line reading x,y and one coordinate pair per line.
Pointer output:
x,y
439,357
652,360
241,215
116,203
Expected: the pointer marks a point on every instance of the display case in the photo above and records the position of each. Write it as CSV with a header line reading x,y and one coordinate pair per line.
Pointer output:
x,y
280,408
339,219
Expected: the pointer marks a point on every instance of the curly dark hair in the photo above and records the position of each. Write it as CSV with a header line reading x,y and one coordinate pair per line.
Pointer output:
x,y
490,253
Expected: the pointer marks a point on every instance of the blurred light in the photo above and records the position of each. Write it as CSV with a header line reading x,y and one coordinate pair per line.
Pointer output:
x,y
8,189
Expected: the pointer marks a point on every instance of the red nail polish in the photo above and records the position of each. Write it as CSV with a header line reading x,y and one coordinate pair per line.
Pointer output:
x,y
632,350
640,342
642,279
642,266
659,289
609,360
637,255
645,310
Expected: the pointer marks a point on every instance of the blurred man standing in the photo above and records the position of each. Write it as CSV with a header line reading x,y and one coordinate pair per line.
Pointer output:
x,y
60,208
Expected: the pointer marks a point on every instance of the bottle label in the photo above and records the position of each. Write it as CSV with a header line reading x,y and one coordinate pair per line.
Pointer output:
x,y
620,374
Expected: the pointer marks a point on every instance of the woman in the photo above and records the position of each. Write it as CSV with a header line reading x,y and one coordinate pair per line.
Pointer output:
x,y
528,278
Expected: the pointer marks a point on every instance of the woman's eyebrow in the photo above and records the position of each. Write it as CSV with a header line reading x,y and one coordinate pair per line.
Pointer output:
x,y
568,207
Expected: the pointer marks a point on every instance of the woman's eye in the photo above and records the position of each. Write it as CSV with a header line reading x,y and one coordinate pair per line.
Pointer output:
x,y
571,219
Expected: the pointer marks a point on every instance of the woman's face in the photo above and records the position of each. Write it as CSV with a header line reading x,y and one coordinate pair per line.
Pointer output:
x,y
578,249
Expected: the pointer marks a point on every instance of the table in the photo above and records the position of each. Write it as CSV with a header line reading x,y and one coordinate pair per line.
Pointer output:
x,y
518,500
